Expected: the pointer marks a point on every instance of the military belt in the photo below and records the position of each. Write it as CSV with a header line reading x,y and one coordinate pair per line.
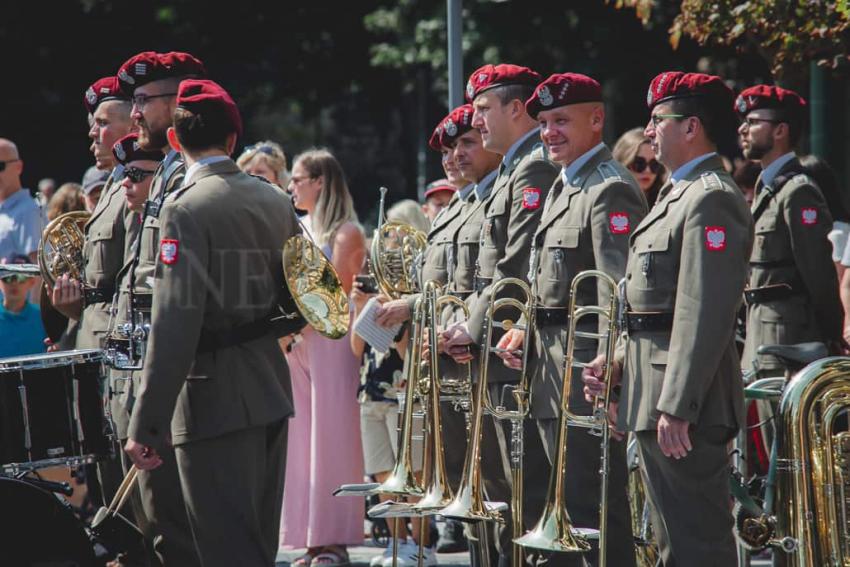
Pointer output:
x,y
768,293
142,301
92,295
212,340
481,283
462,294
773,264
649,321
560,316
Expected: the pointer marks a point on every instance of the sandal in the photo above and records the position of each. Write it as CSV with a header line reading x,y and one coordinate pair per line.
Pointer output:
x,y
332,557
304,560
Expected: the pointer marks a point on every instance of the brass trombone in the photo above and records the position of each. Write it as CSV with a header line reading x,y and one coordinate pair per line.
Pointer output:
x,y
554,530
468,504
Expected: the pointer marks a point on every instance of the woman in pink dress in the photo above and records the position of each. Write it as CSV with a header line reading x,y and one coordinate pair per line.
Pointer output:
x,y
324,448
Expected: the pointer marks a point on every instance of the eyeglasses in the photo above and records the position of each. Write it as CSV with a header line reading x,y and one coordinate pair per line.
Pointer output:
x,y
640,164
140,100
4,162
751,121
657,119
136,174
14,278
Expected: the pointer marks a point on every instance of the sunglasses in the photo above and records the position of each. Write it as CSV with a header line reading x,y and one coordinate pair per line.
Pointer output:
x,y
136,175
4,162
14,278
640,164
262,148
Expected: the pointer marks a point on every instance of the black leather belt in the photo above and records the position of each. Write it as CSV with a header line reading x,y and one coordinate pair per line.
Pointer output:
x,y
649,321
768,293
481,283
93,295
545,316
142,301
773,264
216,340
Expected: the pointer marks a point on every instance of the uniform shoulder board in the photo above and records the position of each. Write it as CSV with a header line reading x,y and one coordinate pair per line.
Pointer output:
x,y
802,179
608,172
539,151
710,180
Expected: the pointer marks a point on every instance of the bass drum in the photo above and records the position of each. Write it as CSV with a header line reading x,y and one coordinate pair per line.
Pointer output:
x,y
42,530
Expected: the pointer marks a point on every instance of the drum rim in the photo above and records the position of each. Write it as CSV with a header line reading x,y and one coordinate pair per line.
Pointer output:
x,y
50,359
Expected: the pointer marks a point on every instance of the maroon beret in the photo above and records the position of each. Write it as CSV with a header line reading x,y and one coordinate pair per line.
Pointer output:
x,y
208,99
456,124
150,66
127,149
434,140
492,76
107,88
789,103
676,84
563,89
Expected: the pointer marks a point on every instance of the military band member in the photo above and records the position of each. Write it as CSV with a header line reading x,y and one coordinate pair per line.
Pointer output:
x,y
512,211
792,293
215,384
589,214
682,392
151,79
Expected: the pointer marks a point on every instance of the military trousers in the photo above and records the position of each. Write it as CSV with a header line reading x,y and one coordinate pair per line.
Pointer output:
x,y
690,512
233,485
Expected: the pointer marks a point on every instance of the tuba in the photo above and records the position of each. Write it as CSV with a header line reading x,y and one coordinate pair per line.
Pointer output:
x,y
394,254
812,521
60,250
554,530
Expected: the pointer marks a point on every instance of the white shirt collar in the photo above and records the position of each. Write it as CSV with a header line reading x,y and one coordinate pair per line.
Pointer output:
x,y
506,160
569,172
770,172
684,170
193,169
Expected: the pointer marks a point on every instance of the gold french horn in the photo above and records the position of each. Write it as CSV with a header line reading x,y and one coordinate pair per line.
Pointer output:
x,y
60,250
315,287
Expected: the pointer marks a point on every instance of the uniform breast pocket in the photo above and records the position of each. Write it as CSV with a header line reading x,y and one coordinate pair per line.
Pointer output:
x,y
150,241
768,243
657,263
494,223
96,248
560,248
467,245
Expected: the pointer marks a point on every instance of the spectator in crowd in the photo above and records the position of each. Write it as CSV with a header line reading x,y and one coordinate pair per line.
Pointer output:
x,y
93,182
46,189
633,150
267,160
409,212
437,196
69,197
20,321
746,174
20,217
836,201
324,436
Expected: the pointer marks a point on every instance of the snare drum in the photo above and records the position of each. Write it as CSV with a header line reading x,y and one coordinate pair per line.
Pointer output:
x,y
51,409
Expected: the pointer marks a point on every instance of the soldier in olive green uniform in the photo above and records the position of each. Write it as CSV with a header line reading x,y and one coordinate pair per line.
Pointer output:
x,y
682,392
591,210
792,293
153,79
512,211
215,383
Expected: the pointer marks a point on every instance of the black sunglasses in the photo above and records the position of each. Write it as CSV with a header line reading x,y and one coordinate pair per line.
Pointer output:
x,y
4,162
135,174
640,164
262,148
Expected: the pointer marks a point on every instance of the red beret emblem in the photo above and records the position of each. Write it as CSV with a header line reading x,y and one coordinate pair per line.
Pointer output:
x,y
545,96
450,127
741,105
482,78
531,198
618,223
715,238
810,216
168,250
91,96
119,152
470,89
125,76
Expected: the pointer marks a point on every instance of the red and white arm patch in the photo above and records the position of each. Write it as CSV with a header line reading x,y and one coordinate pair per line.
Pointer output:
x,y
531,198
809,216
715,238
618,223
168,250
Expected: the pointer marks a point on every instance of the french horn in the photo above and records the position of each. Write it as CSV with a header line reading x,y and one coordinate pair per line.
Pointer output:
x,y
60,250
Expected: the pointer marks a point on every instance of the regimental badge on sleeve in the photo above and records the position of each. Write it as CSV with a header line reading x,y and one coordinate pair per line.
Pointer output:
x,y
168,250
531,198
809,216
618,223
715,238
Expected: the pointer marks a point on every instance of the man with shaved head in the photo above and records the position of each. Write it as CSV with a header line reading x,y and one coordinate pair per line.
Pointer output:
x,y
20,218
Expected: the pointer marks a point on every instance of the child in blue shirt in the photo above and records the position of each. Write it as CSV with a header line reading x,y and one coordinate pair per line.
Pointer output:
x,y
21,329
